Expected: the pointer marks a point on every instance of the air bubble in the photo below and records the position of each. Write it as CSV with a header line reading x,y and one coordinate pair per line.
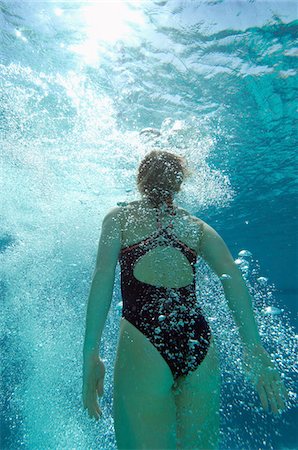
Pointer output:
x,y
192,343
272,310
244,253
225,276
150,132
292,395
262,280
212,319
239,261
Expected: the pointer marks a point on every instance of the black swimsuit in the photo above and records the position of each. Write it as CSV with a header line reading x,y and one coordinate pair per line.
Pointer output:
x,y
169,317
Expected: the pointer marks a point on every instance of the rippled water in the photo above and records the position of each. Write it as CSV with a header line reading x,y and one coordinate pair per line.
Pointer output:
x,y
79,81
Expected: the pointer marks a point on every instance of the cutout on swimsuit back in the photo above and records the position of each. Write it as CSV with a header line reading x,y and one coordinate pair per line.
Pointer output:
x,y
164,266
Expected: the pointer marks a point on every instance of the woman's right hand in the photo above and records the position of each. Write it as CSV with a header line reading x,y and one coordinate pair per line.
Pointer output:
x,y
265,378
93,379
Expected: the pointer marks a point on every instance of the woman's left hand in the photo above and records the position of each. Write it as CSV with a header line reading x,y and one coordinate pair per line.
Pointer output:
x,y
93,380
266,379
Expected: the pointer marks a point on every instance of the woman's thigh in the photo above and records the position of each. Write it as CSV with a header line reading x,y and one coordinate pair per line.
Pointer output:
x,y
197,397
143,400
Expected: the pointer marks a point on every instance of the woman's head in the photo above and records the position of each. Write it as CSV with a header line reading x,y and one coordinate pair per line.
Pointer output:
x,y
160,175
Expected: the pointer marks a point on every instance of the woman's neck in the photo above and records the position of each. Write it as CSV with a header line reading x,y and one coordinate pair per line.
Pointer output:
x,y
166,204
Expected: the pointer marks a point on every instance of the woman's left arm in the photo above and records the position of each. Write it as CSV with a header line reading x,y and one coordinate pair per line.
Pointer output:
x,y
102,284
264,376
99,302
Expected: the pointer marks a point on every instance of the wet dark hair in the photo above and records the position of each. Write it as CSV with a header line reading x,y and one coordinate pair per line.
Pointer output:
x,y
160,176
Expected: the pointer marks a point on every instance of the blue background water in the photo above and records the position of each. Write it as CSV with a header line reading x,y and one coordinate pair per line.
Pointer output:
x,y
79,81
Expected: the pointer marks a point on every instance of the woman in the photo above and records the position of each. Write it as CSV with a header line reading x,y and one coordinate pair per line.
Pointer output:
x,y
166,377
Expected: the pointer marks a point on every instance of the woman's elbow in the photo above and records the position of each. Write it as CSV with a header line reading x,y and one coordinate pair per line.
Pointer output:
x,y
103,274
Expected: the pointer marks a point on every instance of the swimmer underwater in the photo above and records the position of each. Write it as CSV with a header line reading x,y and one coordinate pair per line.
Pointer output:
x,y
166,390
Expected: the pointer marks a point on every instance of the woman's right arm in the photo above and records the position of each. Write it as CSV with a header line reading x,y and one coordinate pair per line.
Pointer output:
x,y
264,376
215,252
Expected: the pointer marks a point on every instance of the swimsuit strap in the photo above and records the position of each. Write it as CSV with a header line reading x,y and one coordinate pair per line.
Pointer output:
x,y
163,235
168,208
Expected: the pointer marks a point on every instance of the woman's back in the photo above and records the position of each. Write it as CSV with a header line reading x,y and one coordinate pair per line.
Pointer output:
x,y
164,264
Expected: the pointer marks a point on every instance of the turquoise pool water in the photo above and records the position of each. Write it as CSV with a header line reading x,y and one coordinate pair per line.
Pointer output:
x,y
79,80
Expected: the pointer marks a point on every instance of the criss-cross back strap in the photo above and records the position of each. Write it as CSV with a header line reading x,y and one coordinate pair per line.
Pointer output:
x,y
169,208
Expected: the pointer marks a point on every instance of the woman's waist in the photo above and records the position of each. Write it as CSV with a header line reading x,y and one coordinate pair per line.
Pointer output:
x,y
161,306
156,295
130,285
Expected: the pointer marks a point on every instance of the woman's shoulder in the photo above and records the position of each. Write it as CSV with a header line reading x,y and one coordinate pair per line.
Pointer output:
x,y
111,215
120,206
120,212
186,215
126,208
